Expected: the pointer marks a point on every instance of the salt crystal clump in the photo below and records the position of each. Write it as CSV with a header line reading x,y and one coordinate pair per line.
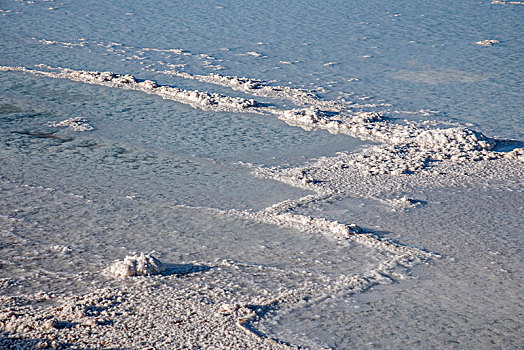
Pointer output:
x,y
143,265
125,79
460,139
516,154
487,42
367,117
307,223
77,124
404,202
148,84
306,116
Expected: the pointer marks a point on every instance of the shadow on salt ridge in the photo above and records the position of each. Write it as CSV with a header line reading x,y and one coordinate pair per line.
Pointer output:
x,y
507,145
184,269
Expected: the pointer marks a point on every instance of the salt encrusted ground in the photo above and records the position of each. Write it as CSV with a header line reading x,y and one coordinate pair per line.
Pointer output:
x,y
150,313
196,306
199,304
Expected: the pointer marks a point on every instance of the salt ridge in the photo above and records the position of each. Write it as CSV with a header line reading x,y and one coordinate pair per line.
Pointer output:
x,y
198,99
435,143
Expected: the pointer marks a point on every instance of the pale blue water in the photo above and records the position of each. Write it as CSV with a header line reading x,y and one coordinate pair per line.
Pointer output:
x,y
398,55
401,37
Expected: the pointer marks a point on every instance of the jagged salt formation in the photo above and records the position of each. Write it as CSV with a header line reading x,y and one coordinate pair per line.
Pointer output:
x,y
255,87
516,154
405,148
284,214
197,99
137,265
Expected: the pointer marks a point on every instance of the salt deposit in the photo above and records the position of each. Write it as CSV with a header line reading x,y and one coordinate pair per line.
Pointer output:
x,y
195,98
516,154
435,144
407,148
487,42
507,2
255,87
136,265
67,44
254,54
76,123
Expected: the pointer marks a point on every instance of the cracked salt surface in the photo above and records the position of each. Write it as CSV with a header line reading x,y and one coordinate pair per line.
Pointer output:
x,y
251,248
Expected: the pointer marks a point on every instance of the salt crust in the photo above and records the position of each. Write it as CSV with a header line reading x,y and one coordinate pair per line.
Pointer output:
x,y
136,265
110,318
77,124
123,317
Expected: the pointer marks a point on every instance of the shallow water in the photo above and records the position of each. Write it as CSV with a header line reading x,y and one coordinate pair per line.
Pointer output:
x,y
422,57
158,175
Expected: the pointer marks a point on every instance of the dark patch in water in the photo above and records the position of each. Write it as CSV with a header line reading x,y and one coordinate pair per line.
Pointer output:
x,y
44,135
184,269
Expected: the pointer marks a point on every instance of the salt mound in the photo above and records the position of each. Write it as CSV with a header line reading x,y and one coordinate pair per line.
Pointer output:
x,y
143,265
462,139
310,115
516,154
